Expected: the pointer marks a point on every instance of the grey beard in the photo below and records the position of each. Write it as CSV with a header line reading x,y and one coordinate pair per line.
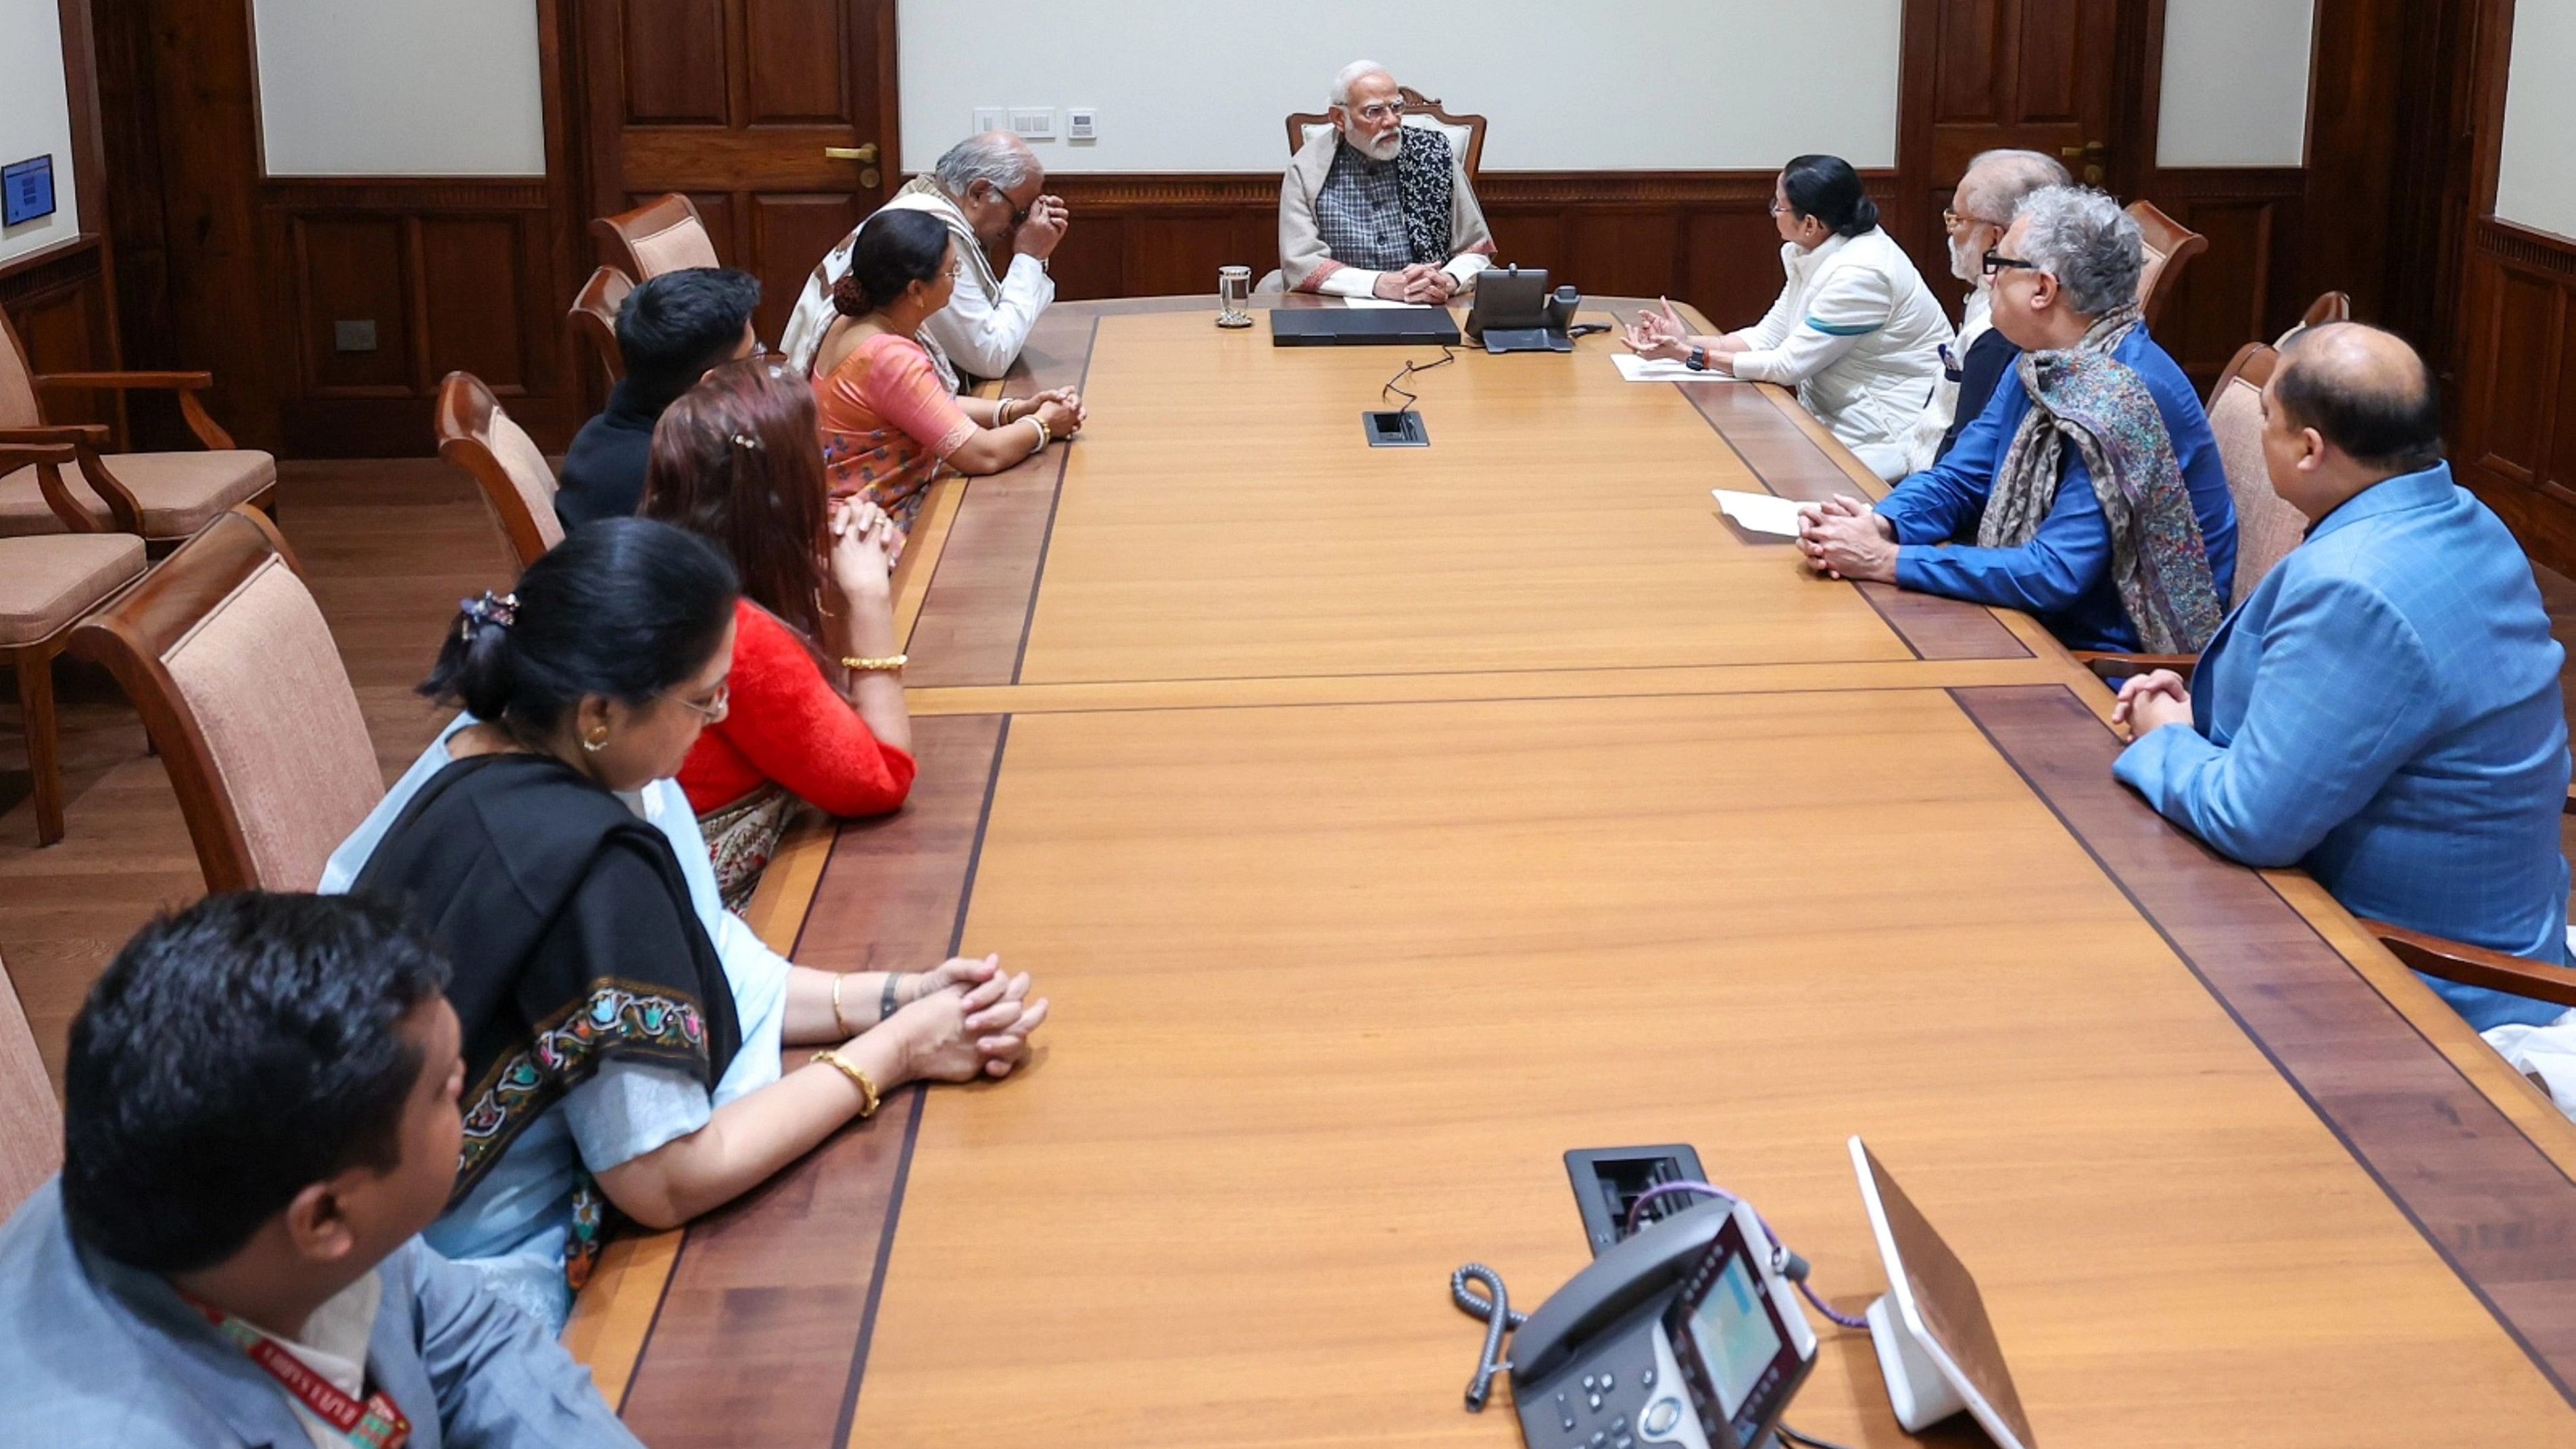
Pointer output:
x,y
1968,267
1376,149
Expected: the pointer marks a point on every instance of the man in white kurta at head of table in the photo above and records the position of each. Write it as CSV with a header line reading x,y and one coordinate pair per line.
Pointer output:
x,y
1375,208
990,189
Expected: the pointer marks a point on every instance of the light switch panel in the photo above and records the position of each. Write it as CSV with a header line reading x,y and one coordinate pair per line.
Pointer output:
x,y
1082,123
991,118
1033,123
354,336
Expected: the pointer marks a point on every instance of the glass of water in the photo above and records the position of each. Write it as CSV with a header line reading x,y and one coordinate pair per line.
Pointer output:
x,y
1234,296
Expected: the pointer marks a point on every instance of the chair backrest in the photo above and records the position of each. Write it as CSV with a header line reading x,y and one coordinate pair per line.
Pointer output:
x,y
31,1121
2266,527
2330,307
2169,245
593,319
1466,133
665,234
18,408
228,660
476,435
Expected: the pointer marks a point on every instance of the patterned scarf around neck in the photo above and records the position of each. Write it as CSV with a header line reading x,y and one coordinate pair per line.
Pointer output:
x,y
2085,396
1426,185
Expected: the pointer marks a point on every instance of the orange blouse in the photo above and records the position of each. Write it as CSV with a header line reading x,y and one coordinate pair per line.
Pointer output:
x,y
888,424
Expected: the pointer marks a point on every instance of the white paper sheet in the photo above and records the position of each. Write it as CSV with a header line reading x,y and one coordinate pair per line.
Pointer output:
x,y
1759,512
1378,302
1661,369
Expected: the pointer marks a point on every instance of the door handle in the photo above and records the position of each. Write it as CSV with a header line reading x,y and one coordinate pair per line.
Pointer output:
x,y
2089,151
865,155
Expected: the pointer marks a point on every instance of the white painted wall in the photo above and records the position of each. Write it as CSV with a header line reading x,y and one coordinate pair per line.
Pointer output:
x,y
2537,186
1201,85
2236,83
398,87
36,118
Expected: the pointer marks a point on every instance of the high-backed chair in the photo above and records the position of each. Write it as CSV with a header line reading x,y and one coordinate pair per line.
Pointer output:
x,y
665,234
175,494
593,319
2267,527
475,434
1466,133
2170,245
47,583
31,1121
229,662
2331,307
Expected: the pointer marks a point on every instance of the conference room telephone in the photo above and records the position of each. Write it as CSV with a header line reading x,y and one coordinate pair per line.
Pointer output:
x,y
1684,1335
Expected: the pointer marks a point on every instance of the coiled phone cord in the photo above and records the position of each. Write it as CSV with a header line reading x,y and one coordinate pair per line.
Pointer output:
x,y
1495,1307
1794,1266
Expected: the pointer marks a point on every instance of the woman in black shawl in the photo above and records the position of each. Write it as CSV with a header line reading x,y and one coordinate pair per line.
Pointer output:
x,y
605,1051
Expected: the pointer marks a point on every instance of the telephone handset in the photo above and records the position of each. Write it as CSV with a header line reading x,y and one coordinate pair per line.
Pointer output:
x,y
1684,1335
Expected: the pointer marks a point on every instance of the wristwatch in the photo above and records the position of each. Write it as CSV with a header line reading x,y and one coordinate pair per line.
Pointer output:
x,y
1698,360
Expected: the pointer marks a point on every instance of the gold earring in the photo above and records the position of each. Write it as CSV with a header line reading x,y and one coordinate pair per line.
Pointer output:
x,y
595,741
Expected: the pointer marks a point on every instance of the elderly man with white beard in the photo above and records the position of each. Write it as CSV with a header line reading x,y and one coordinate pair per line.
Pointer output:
x,y
1373,207
1980,212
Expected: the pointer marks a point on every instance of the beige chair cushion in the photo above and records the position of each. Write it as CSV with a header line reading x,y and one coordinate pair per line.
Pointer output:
x,y
31,1122
46,583
2266,528
526,464
680,245
180,492
265,684
17,391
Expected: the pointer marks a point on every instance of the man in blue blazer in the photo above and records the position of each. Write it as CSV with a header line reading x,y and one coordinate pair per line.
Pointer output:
x,y
2384,707
259,1118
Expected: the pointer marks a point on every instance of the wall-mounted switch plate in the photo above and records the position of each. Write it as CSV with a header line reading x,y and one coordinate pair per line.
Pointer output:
x,y
1033,123
991,118
1082,123
354,336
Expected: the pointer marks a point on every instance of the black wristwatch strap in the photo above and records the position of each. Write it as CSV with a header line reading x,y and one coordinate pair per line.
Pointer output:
x,y
1698,359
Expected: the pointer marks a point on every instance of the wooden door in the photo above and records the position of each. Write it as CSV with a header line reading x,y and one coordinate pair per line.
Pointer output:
x,y
777,117
2042,75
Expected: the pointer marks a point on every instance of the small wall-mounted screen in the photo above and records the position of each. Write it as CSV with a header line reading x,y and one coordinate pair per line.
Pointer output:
x,y
27,189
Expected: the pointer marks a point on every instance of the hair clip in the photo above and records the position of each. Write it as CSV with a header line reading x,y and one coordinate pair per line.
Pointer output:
x,y
746,442
498,610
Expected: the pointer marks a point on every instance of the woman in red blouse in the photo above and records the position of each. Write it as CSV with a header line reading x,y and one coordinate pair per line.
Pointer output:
x,y
814,708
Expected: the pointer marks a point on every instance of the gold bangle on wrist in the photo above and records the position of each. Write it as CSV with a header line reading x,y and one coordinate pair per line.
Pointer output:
x,y
838,1019
859,1079
891,664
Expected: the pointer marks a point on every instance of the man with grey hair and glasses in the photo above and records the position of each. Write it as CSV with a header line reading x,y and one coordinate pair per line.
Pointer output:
x,y
1372,207
1980,211
989,189
2089,491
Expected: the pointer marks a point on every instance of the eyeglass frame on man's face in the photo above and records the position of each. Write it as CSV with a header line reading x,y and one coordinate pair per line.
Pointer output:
x,y
1376,111
1956,221
1995,263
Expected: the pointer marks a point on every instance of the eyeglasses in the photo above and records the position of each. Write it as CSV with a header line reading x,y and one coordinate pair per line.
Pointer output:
x,y
714,710
957,270
1376,111
1998,262
1777,207
1961,221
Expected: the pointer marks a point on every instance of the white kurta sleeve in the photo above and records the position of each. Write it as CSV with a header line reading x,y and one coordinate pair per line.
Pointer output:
x,y
1850,304
985,337
1348,282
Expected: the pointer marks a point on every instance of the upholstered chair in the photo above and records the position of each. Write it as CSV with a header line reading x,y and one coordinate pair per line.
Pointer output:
x,y
2170,245
227,658
593,319
175,493
47,583
665,234
475,434
31,1121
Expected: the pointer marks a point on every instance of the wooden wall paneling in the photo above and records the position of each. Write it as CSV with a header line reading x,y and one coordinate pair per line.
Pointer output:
x,y
352,269
475,301
789,234
2516,352
671,61
2245,287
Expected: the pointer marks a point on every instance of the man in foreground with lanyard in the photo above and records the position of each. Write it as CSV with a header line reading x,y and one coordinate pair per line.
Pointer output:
x,y
259,1118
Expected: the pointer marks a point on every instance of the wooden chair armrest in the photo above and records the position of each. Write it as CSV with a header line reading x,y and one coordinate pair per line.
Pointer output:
x,y
182,380
2475,965
2120,666
186,384
82,441
48,459
94,434
2571,800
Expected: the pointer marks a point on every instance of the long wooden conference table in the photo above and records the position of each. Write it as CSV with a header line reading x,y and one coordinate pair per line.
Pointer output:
x,y
1385,822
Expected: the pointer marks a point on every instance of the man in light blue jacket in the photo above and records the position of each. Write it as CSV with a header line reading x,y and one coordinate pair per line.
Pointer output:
x,y
259,1118
2384,707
